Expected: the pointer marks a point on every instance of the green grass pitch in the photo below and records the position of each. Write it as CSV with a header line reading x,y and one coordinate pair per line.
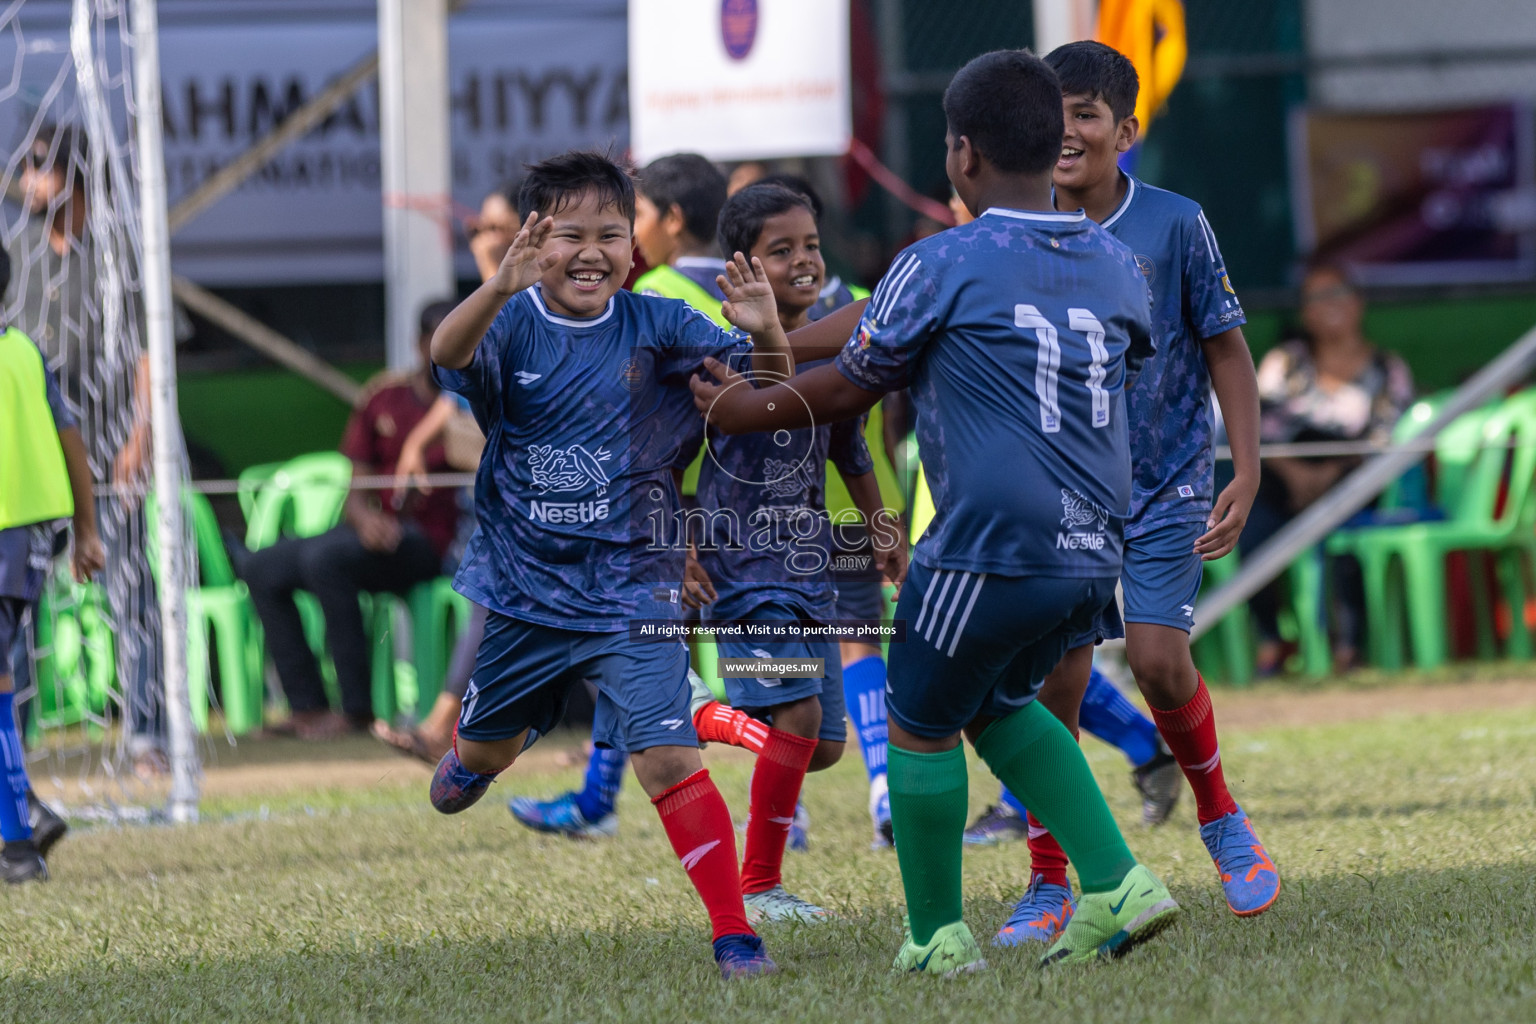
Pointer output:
x,y
1406,838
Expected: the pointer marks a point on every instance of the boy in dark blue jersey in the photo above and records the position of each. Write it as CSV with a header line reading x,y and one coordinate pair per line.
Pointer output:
x,y
1176,520
1016,336
766,544
677,205
580,388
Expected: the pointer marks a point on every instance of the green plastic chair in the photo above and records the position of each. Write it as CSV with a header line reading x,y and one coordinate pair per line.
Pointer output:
x,y
219,610
250,483
1404,566
437,614
303,498
77,669
1226,651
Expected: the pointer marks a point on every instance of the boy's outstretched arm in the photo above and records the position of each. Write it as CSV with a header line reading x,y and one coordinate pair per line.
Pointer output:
x,y
750,306
825,338
89,557
1237,389
457,337
820,395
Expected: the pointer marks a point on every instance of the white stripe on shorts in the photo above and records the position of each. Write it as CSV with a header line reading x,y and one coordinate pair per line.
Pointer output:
x,y
965,617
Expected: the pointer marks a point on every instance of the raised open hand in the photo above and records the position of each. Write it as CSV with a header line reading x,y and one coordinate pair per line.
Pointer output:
x,y
522,265
749,302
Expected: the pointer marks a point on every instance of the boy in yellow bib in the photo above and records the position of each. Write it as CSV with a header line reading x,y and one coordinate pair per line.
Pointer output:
x,y
44,478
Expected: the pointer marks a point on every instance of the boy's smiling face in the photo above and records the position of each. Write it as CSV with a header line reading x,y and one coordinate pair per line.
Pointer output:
x,y
595,243
1094,140
789,247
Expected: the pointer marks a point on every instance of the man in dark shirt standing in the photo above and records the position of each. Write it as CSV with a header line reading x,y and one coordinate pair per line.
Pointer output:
x,y
375,548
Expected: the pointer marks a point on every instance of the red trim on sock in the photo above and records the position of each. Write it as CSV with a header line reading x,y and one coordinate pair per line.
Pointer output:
x,y
776,782
698,824
1190,732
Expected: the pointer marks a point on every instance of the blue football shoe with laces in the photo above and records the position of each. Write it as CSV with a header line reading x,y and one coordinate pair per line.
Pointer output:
x,y
1039,916
1248,877
562,815
456,788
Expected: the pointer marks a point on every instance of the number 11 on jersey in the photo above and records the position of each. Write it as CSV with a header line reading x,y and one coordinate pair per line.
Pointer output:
x,y
1048,363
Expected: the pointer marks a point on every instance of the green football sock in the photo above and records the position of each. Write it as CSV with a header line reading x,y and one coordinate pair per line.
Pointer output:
x,y
928,796
1037,758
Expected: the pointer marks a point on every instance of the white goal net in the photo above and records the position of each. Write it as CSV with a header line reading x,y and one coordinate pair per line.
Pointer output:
x,y
92,693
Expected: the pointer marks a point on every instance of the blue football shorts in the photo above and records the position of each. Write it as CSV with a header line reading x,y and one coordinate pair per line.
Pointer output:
x,y
756,695
1161,577
524,673
980,645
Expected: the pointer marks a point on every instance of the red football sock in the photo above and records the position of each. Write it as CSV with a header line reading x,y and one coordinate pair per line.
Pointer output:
x,y
1190,732
717,723
776,782
1046,857
699,825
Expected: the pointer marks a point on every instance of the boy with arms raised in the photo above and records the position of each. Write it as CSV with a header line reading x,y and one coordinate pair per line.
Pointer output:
x,y
1016,335
1173,523
581,389
766,545
677,204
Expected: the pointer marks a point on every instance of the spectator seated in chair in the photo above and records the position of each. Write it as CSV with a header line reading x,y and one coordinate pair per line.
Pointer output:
x,y
379,546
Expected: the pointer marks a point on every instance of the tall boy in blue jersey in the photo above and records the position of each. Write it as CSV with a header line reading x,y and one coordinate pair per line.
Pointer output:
x,y
677,205
1176,520
1016,336
580,389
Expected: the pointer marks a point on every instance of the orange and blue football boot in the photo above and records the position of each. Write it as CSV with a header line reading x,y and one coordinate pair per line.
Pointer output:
x,y
1248,877
1039,916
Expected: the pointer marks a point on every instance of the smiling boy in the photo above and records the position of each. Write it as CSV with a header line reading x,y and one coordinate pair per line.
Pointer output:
x,y
1176,521
768,551
1016,336
581,389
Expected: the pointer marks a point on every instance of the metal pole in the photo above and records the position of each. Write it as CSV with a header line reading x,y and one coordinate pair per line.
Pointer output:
x,y
413,100
1355,491
166,424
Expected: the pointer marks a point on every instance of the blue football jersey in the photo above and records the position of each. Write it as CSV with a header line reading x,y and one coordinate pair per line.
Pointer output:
x,y
1015,335
1170,403
763,508
583,420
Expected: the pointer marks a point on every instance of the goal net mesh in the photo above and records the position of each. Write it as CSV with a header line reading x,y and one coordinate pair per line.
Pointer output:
x,y
91,690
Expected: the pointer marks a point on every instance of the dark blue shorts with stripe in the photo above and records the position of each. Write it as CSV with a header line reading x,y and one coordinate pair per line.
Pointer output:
x,y
979,645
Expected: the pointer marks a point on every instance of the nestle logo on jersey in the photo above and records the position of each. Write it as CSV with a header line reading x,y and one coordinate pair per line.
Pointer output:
x,y
1081,541
1076,512
567,511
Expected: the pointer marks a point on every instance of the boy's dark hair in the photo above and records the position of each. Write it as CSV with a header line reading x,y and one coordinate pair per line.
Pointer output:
x,y
693,183
1100,72
554,184
5,272
795,183
1008,103
434,313
73,152
744,214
